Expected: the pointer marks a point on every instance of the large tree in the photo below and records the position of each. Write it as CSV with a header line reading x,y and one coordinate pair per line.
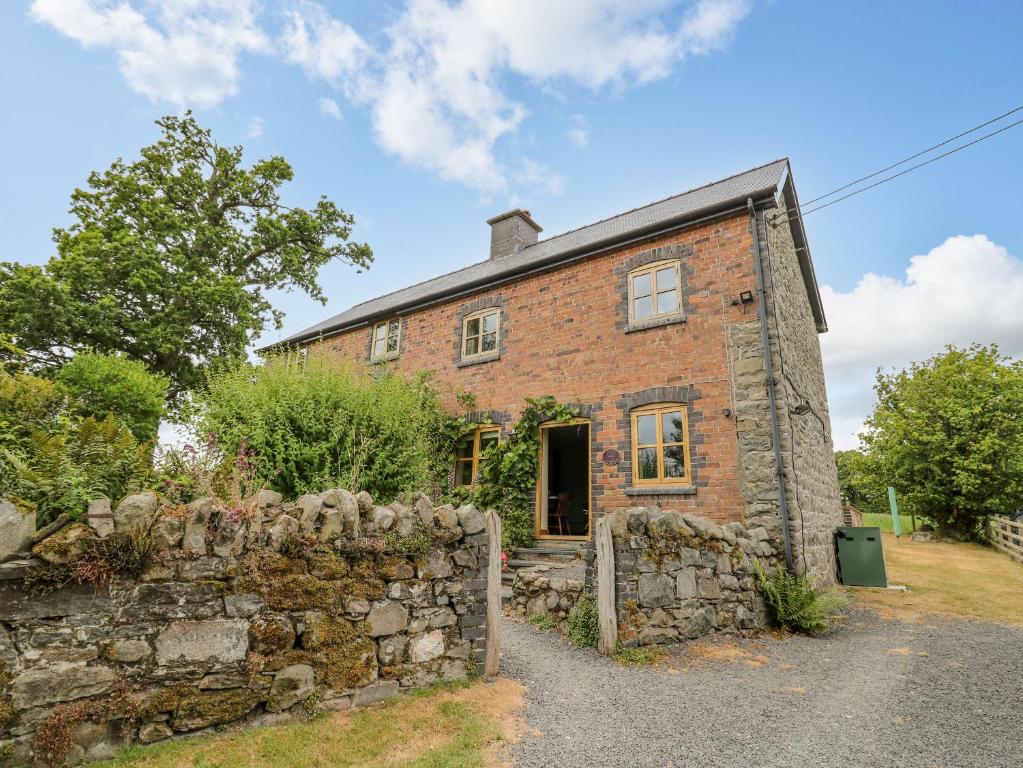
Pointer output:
x,y
169,259
859,483
948,434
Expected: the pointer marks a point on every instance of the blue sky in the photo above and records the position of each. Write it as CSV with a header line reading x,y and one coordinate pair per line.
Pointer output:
x,y
426,118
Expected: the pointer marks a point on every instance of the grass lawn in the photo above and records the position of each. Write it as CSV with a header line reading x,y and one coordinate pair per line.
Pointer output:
x,y
949,578
884,522
453,726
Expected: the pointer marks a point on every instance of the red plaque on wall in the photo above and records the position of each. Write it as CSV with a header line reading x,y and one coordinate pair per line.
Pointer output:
x,y
611,457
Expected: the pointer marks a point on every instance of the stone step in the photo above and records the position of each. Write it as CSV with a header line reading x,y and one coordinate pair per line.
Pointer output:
x,y
564,553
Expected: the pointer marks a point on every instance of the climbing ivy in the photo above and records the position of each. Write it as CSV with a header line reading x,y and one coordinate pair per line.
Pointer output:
x,y
509,469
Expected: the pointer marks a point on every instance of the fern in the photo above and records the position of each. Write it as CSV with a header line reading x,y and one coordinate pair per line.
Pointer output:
x,y
795,603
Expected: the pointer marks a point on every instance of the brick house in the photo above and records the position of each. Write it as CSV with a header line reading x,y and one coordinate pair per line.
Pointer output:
x,y
652,323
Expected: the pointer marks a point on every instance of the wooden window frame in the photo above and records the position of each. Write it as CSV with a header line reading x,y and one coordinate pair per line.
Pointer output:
x,y
652,269
373,339
657,410
480,315
474,460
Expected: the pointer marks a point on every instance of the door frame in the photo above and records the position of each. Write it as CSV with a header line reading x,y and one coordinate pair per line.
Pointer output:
x,y
541,481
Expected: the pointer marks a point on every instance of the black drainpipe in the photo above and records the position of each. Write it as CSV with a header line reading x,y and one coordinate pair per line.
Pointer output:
x,y
783,507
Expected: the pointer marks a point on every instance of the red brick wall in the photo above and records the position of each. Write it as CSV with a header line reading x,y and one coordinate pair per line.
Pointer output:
x,y
559,337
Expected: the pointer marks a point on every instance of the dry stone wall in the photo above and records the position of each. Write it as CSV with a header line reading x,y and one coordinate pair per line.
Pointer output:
x,y
330,601
680,576
549,591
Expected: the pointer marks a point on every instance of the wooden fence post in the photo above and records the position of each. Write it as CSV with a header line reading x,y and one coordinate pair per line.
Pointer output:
x,y
607,616
493,655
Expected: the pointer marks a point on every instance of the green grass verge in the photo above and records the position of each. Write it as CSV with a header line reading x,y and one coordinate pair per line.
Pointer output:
x,y
448,726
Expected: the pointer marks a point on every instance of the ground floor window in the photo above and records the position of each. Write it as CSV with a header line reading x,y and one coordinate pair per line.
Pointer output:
x,y
469,451
660,445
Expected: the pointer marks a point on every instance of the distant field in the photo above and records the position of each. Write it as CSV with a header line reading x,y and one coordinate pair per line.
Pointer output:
x,y
884,522
949,578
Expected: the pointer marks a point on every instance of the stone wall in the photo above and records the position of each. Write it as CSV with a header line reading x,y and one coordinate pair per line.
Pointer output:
x,y
548,590
329,601
679,576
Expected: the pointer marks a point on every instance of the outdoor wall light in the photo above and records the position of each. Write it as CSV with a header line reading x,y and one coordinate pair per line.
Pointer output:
x,y
746,297
801,409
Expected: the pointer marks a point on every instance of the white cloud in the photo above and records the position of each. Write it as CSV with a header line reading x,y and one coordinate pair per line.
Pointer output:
x,y
579,134
968,289
323,46
184,52
434,87
434,80
330,108
255,127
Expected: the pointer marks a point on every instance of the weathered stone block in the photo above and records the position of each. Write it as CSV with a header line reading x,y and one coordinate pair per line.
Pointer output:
x,y
386,618
291,685
428,647
136,511
215,640
685,583
656,589
471,520
65,545
60,681
379,691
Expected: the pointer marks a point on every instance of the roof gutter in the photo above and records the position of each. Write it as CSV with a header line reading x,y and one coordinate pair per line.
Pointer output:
x,y
779,472
568,257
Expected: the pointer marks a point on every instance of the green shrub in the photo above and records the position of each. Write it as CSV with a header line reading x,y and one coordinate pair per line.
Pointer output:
x,y
795,603
101,384
583,623
326,423
28,405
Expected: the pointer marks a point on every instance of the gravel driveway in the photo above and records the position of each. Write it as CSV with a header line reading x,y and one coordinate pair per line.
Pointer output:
x,y
875,692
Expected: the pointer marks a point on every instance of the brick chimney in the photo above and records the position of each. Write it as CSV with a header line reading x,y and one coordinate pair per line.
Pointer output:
x,y
511,232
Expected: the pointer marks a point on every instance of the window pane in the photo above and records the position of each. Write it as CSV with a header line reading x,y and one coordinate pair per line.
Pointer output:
x,y
464,448
666,279
472,345
667,302
487,439
392,343
378,331
647,463
472,328
671,426
490,323
642,285
674,461
378,347
392,328
489,342
646,429
463,473
641,308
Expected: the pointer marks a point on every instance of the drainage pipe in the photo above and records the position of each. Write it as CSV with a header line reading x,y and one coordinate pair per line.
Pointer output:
x,y
783,507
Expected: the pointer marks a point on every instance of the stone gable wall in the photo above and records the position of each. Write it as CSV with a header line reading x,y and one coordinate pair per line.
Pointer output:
x,y
330,601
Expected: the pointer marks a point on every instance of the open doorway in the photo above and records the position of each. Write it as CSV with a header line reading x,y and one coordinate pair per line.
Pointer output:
x,y
563,494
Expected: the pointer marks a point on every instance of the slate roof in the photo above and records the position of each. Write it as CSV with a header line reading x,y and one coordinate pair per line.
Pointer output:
x,y
756,183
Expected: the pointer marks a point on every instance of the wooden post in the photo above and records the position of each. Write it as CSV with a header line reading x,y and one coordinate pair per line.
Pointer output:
x,y
493,657
607,617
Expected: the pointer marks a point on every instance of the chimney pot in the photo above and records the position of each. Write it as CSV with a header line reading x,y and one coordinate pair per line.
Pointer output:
x,y
511,232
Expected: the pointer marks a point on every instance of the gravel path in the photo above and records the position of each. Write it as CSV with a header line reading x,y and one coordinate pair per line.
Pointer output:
x,y
944,693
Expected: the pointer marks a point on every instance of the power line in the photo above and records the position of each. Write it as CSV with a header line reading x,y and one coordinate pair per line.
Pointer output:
x,y
914,157
802,214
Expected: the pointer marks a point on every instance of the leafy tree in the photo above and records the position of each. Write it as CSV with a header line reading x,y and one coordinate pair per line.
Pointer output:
x,y
30,404
170,257
859,482
101,384
948,435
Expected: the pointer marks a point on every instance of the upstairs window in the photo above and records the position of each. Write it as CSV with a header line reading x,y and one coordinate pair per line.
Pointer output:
x,y
479,333
660,445
469,451
386,339
655,291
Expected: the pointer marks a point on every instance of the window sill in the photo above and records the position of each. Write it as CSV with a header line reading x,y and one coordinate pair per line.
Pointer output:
x,y
661,490
656,322
487,358
385,358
